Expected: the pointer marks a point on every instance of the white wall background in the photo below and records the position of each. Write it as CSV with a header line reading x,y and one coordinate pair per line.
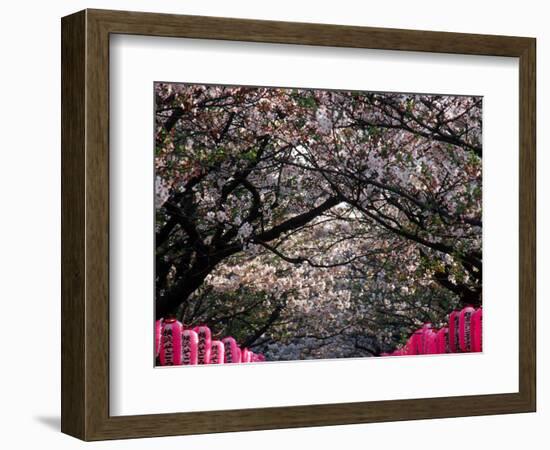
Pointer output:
x,y
30,225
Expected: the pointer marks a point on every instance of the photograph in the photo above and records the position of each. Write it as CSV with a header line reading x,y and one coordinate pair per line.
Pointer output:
x,y
302,224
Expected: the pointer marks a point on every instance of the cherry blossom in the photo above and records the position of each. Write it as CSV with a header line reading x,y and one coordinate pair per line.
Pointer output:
x,y
311,223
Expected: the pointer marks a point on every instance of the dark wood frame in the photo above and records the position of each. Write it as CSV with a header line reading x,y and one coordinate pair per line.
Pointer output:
x,y
85,224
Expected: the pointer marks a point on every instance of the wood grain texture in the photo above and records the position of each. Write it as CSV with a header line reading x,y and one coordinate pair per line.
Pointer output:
x,y
73,319
85,224
527,224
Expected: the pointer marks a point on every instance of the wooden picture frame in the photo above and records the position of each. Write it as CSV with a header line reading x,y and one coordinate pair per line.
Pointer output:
x,y
85,224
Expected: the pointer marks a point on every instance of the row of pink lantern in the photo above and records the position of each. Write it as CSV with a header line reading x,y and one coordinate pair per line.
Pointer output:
x,y
462,335
176,345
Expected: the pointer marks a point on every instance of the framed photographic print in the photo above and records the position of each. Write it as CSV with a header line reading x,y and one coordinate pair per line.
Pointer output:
x,y
271,225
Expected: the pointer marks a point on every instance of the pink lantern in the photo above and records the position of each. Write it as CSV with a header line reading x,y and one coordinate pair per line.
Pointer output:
x,y
257,357
158,336
477,330
189,347
408,347
246,356
205,344
465,329
442,340
232,352
423,343
414,344
170,350
430,342
396,352
217,353
425,333
453,331
239,355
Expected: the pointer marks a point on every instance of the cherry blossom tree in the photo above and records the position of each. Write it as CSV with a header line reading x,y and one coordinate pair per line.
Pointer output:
x,y
315,223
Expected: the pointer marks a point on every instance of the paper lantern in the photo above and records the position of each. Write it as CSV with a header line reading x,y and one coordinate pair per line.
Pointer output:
x,y
442,340
158,336
217,353
205,344
424,342
465,329
477,330
246,356
257,357
170,349
414,344
430,341
237,358
396,352
189,347
231,349
408,347
453,331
